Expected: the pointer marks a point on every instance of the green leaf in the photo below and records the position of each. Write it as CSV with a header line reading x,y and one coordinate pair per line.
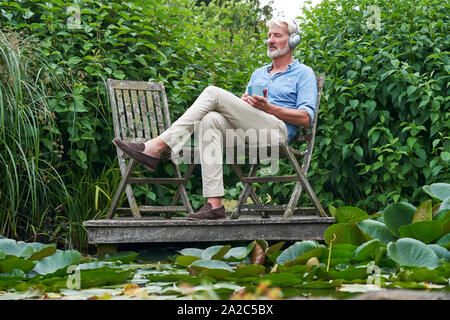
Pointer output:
x,y
306,256
186,260
350,214
215,252
345,233
439,191
210,264
295,251
367,251
412,252
397,215
249,270
239,253
441,252
8,265
282,279
192,252
57,264
377,230
124,256
424,212
426,231
19,249
41,250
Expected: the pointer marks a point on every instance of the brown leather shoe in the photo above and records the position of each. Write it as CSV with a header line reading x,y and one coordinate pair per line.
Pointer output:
x,y
134,150
206,212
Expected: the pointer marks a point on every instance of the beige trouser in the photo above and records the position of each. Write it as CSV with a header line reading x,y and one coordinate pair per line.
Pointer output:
x,y
219,115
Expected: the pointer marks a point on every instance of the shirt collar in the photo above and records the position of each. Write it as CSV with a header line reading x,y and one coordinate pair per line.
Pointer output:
x,y
290,66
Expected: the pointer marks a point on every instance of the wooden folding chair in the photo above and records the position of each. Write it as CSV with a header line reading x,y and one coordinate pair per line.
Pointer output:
x,y
140,112
301,182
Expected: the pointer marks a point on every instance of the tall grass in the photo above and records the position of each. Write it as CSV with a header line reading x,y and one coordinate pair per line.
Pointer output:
x,y
29,177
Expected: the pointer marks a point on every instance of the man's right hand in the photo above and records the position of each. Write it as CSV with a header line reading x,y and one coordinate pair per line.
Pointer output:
x,y
245,97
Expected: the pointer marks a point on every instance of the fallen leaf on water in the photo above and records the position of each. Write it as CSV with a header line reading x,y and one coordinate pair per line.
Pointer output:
x,y
258,254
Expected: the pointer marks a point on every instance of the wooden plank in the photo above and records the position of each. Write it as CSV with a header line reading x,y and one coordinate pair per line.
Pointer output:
x,y
153,209
159,116
144,111
137,115
157,180
151,114
148,230
115,112
165,106
135,85
121,109
129,113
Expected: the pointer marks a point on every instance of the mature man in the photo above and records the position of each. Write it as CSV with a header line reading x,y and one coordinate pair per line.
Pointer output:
x,y
290,94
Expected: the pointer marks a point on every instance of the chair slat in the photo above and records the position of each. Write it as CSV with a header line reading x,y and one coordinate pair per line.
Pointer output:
x,y
129,113
151,110
137,115
159,113
115,112
135,85
121,111
165,107
144,109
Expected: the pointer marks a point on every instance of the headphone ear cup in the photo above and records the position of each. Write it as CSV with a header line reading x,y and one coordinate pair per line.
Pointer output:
x,y
294,40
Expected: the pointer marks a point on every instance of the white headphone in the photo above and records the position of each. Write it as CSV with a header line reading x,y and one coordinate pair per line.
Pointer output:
x,y
294,39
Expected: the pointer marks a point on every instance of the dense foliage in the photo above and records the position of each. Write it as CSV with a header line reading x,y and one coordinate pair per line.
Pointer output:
x,y
383,125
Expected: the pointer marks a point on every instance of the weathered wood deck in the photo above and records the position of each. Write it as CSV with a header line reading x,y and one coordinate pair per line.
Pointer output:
x,y
247,227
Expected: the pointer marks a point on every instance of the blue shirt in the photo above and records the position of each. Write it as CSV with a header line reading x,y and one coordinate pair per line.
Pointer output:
x,y
294,88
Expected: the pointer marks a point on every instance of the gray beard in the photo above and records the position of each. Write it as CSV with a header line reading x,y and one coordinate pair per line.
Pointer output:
x,y
278,53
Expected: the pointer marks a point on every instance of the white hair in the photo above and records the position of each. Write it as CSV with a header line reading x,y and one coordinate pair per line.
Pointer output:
x,y
292,26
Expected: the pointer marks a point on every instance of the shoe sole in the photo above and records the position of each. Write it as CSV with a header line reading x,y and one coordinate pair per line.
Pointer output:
x,y
131,154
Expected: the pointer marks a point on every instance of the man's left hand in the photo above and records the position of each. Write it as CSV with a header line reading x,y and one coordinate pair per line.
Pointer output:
x,y
259,102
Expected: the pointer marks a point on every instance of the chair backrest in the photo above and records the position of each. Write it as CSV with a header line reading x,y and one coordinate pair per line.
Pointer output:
x,y
139,109
309,134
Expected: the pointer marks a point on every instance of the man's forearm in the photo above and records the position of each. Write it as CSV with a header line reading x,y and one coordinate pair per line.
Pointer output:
x,y
292,116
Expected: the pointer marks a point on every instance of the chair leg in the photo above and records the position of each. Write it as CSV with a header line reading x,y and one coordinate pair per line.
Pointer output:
x,y
122,185
181,192
245,193
289,211
298,170
253,195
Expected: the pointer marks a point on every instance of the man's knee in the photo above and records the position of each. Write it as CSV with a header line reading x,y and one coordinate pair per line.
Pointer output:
x,y
212,119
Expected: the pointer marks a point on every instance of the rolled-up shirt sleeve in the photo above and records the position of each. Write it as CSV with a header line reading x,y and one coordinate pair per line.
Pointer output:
x,y
307,94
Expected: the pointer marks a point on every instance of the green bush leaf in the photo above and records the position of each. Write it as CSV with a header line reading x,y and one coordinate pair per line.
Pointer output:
x,y
412,252
397,215
377,230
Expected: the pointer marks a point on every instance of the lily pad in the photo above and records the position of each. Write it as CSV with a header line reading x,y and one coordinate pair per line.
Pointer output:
x,y
192,252
282,279
249,270
210,264
367,250
345,233
239,253
295,251
397,215
122,256
439,190
16,248
215,252
412,252
57,263
41,250
424,212
441,252
426,231
8,265
317,252
186,260
376,230
349,214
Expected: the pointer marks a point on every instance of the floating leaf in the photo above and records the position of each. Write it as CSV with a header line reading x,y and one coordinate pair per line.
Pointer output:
x,y
282,279
215,252
376,230
186,260
16,248
305,257
258,255
296,250
426,231
192,252
8,265
439,190
239,253
249,270
345,233
275,248
397,215
210,264
424,212
350,214
124,256
441,252
412,252
41,251
57,263
367,250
